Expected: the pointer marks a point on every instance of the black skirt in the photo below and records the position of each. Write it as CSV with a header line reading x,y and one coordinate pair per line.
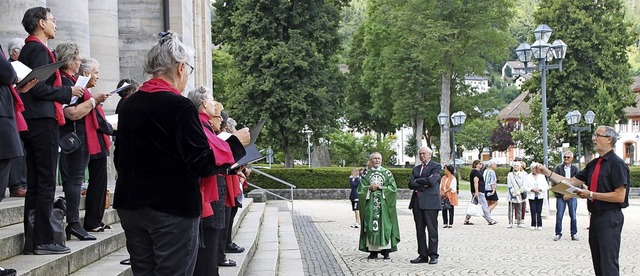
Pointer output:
x,y
490,196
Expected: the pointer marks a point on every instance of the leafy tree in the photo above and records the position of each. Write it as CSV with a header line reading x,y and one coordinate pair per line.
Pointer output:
x,y
355,151
597,37
225,75
286,54
501,138
475,134
353,16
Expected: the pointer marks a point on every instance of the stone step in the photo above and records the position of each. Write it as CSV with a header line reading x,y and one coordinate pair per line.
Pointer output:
x,y
110,264
265,259
290,260
247,237
82,254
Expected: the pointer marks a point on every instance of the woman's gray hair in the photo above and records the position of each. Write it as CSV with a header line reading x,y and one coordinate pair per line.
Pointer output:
x,y
165,56
67,52
199,95
231,125
87,65
611,132
15,44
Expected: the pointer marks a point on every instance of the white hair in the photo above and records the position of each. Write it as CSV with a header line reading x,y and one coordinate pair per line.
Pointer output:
x,y
167,54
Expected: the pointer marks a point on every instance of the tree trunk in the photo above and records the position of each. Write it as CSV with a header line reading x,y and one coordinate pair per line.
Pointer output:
x,y
418,130
445,106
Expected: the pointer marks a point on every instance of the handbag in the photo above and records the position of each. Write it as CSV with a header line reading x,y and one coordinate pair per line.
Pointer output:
x,y
70,142
446,204
57,222
473,208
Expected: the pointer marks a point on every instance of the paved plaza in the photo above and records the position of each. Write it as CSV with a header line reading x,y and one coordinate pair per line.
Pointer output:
x,y
329,245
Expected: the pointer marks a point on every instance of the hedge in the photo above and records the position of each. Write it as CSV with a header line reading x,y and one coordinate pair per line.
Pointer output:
x,y
338,177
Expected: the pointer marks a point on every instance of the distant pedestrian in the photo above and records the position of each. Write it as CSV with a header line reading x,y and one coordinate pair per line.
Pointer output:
x,y
536,186
515,184
354,182
568,170
448,192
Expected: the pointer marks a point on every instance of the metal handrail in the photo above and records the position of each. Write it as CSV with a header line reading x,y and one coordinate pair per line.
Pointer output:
x,y
291,186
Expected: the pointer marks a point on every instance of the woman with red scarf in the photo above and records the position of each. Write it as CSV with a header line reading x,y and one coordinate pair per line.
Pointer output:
x,y
161,152
43,114
80,118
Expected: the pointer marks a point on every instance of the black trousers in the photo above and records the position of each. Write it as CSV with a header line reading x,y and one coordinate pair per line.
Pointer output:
x,y
447,215
223,237
205,265
232,214
41,148
426,219
96,193
605,229
18,174
5,169
160,243
72,171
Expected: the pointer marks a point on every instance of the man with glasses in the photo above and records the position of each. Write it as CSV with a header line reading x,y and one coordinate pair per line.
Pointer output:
x,y
605,184
568,170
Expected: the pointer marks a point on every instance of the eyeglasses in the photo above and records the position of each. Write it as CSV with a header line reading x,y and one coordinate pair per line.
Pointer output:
x,y
568,157
600,135
191,67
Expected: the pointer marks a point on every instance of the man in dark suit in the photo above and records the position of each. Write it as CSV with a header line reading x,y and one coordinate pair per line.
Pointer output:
x,y
568,170
425,204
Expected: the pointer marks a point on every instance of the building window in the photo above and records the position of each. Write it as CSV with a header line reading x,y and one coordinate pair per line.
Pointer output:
x,y
623,128
636,126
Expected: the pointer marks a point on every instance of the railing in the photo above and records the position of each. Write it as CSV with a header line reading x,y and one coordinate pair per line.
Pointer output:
x,y
291,186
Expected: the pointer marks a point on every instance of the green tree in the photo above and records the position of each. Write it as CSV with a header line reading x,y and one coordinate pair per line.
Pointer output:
x,y
286,53
475,134
501,138
597,37
529,137
355,151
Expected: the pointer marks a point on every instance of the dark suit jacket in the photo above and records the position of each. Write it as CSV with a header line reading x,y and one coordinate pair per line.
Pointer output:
x,y
38,102
428,197
10,146
560,170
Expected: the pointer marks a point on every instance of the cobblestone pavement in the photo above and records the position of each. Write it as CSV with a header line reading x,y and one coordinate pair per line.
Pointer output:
x,y
327,241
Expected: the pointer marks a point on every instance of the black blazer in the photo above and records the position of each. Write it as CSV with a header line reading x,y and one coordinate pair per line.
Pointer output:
x,y
560,170
428,195
38,102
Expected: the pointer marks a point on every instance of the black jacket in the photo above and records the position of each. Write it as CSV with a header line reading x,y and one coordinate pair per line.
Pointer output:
x,y
426,186
38,102
560,170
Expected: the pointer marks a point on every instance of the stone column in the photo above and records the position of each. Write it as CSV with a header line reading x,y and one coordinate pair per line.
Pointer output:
x,y
103,34
202,43
72,19
11,19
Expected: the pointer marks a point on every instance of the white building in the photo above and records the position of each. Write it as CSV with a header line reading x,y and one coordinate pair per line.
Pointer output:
x,y
477,83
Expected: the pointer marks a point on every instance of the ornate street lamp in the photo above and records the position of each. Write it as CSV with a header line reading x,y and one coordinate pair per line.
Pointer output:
x,y
573,119
543,53
457,119
308,132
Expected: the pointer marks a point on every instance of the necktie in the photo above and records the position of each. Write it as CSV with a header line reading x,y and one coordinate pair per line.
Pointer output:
x,y
421,169
593,184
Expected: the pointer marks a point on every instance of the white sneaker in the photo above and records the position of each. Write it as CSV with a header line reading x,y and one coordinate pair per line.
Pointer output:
x,y
540,228
510,226
533,228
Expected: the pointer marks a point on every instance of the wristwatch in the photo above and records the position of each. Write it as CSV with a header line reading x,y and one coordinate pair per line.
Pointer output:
x,y
590,196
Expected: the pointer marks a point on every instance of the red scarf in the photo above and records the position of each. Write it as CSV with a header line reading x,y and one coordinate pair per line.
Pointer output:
x,y
57,83
90,122
223,155
233,189
18,107
158,85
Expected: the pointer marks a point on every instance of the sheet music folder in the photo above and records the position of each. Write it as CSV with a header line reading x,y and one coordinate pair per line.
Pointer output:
x,y
41,73
252,152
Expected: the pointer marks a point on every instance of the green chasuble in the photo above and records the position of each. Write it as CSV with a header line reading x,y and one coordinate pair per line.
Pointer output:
x,y
378,213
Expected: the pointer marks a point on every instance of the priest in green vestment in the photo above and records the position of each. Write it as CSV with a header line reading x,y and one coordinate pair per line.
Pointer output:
x,y
377,196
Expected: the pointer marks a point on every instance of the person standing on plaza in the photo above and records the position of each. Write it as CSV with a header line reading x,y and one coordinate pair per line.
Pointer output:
x,y
354,182
448,192
425,204
43,114
515,183
491,185
377,195
536,186
605,183
477,191
568,170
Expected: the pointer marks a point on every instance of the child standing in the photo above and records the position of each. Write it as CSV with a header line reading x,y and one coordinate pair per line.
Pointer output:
x,y
354,182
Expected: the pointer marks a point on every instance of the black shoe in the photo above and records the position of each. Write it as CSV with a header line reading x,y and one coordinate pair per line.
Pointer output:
x,y
7,272
385,256
52,248
228,263
125,262
233,248
433,260
78,232
373,255
419,260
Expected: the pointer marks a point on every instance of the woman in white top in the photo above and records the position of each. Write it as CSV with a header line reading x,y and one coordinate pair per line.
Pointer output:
x,y
491,185
515,182
536,186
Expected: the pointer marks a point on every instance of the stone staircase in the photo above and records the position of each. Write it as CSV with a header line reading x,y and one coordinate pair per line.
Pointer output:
x,y
265,230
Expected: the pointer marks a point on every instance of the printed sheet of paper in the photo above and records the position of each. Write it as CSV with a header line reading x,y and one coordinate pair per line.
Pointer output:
x,y
565,189
82,82
21,69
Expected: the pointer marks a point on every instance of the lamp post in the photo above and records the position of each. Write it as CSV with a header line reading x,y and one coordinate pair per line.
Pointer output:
x,y
573,119
543,52
308,132
457,119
